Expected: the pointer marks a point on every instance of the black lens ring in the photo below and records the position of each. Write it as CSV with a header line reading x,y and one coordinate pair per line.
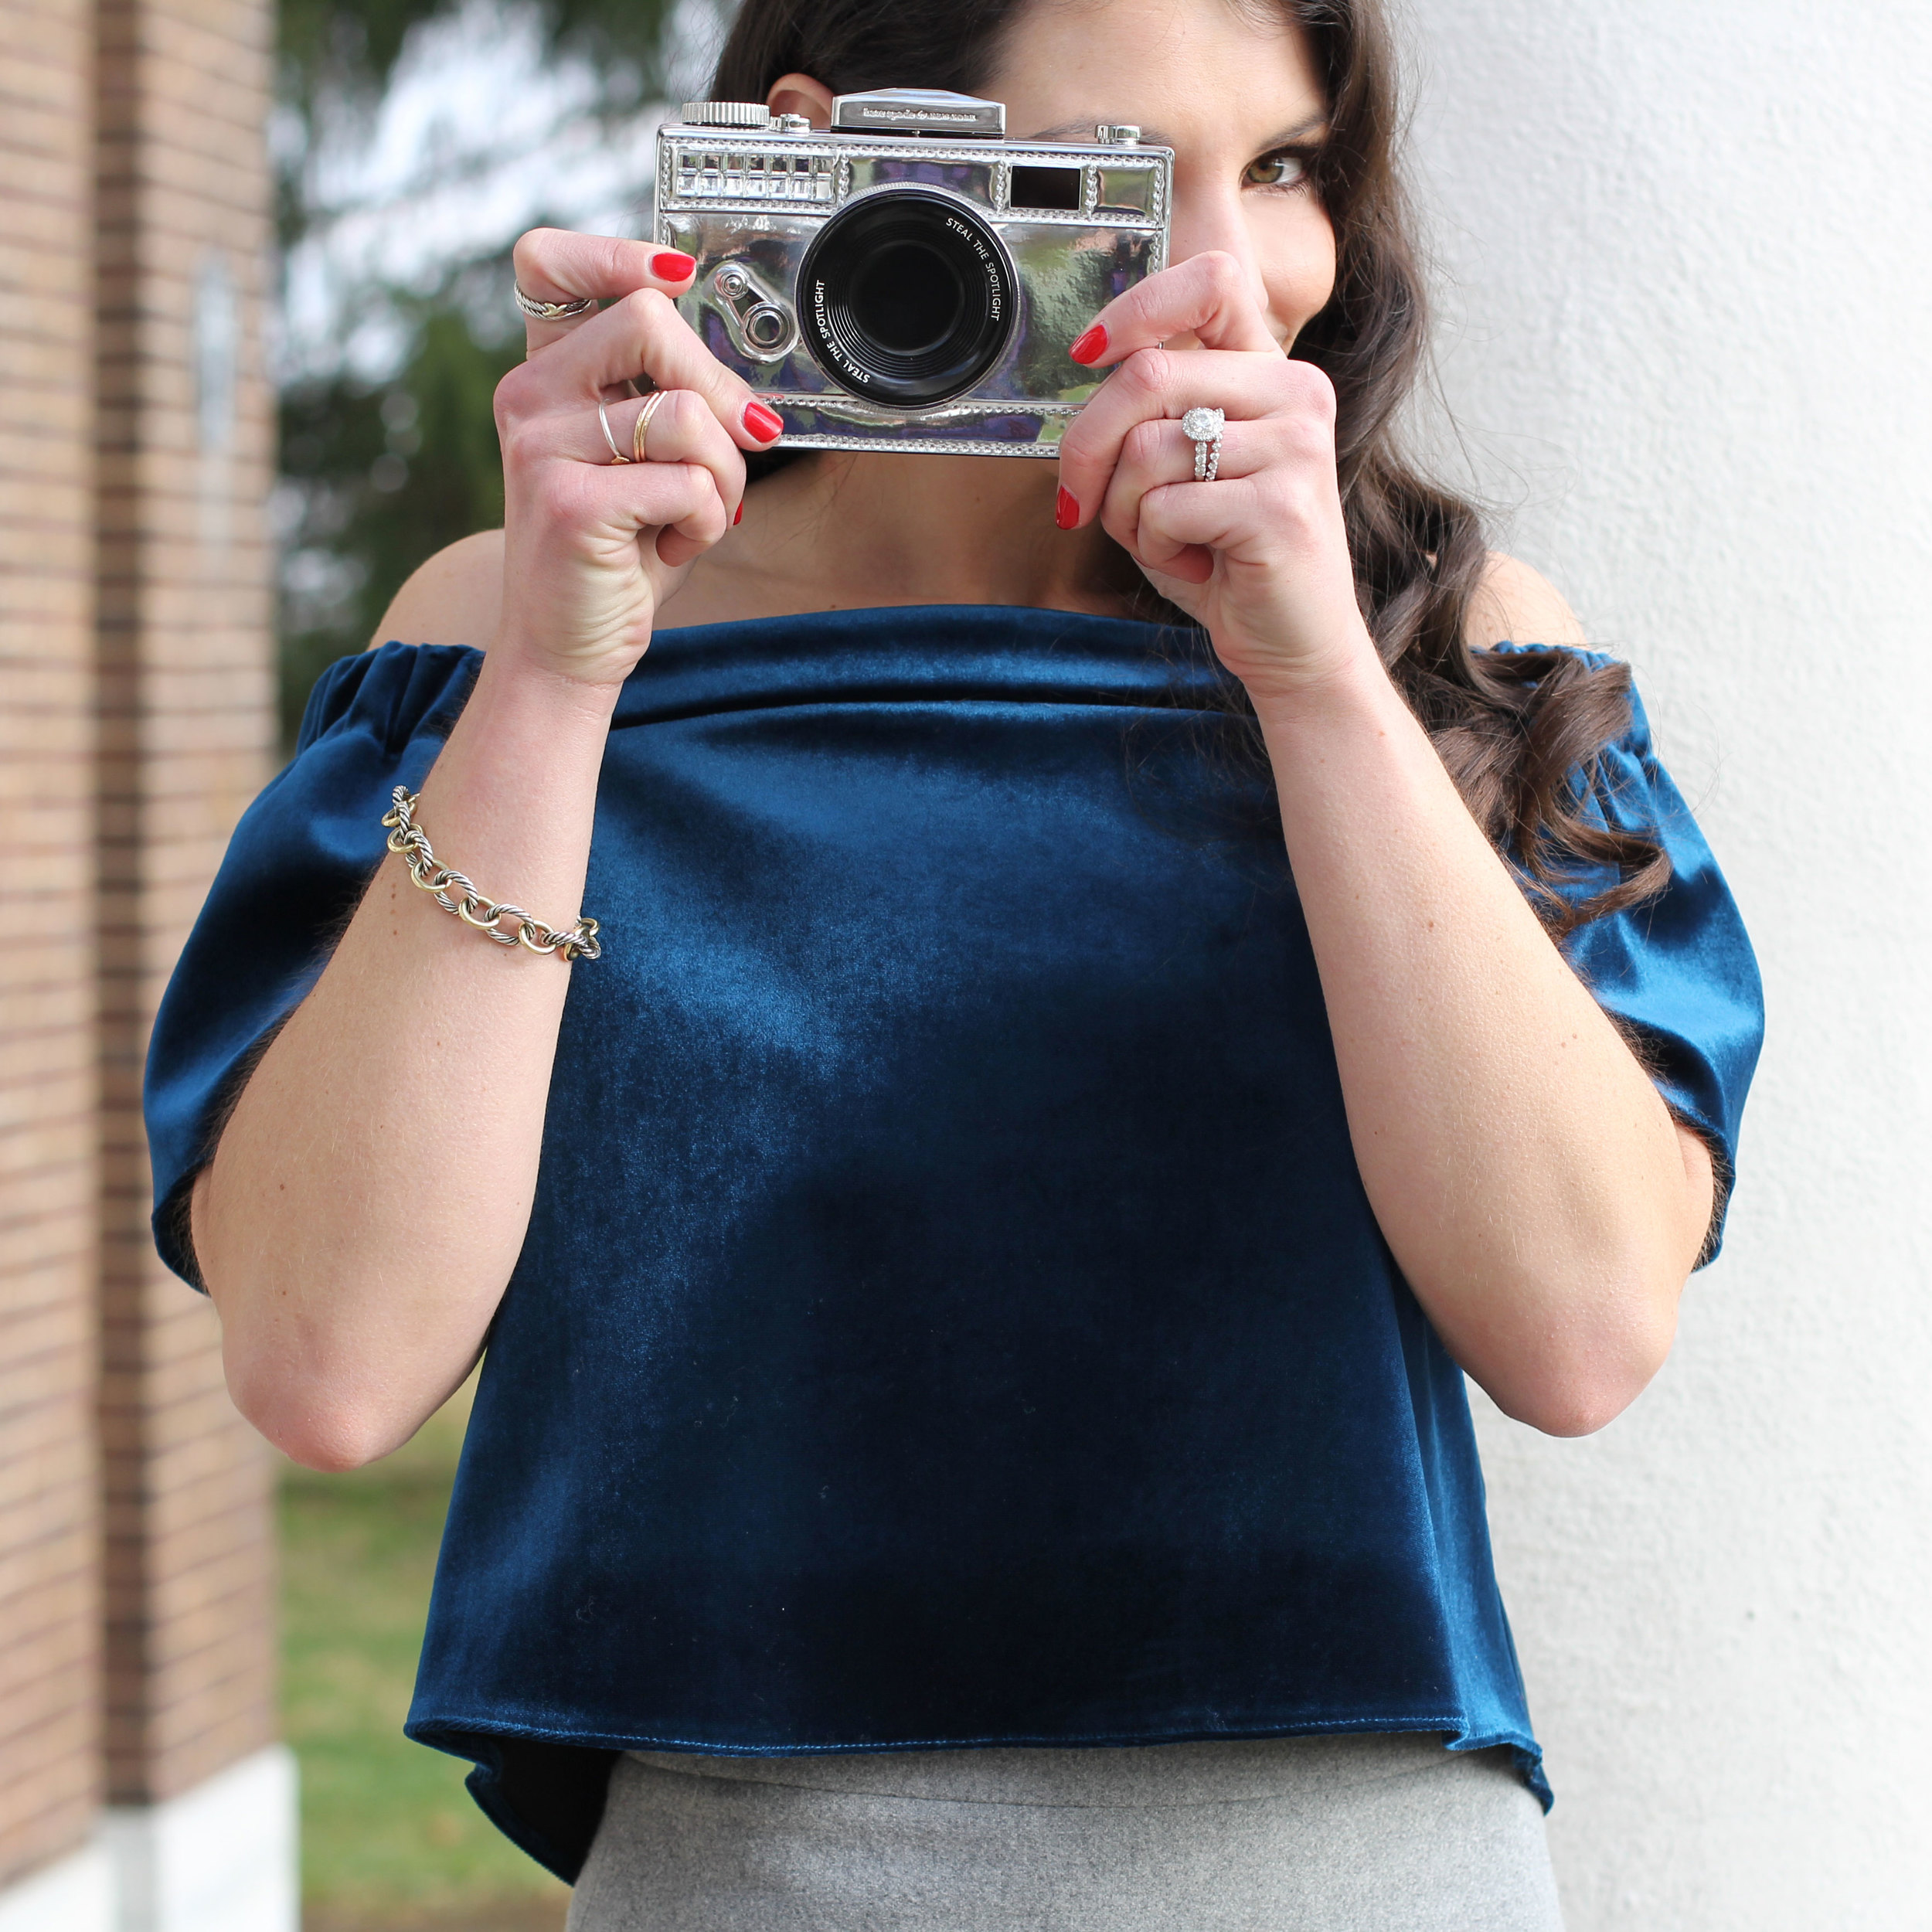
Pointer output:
x,y
854,356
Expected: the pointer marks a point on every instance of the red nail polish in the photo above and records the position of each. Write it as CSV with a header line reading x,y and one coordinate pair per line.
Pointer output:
x,y
1090,347
671,265
766,424
738,516
1066,512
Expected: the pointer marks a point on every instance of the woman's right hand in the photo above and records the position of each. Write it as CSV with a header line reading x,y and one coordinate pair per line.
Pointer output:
x,y
592,547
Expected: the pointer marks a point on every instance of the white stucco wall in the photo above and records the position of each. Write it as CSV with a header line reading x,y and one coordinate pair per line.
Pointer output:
x,y
1689,336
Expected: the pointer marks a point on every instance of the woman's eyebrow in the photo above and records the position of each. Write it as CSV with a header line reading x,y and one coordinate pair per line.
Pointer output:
x,y
1082,131
1301,131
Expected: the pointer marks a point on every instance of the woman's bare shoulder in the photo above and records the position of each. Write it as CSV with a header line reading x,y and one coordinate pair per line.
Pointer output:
x,y
456,597
1514,604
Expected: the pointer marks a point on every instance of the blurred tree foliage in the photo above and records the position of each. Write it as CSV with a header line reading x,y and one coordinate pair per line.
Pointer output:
x,y
353,45
377,474
384,475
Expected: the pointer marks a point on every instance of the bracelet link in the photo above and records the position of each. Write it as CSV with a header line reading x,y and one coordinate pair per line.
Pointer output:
x,y
407,840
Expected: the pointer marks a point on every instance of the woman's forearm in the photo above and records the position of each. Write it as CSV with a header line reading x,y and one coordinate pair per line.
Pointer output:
x,y
362,1214
366,1204
1534,1189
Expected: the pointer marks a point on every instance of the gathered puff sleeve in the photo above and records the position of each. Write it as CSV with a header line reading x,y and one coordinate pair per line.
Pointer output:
x,y
1677,971
294,873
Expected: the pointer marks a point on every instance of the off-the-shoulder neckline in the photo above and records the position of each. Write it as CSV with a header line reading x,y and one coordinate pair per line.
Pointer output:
x,y
881,612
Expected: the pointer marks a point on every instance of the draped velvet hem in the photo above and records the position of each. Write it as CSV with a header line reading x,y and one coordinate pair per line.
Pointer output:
x,y
543,1788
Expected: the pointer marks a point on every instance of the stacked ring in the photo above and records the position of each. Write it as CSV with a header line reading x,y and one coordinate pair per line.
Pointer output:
x,y
1202,427
617,455
641,427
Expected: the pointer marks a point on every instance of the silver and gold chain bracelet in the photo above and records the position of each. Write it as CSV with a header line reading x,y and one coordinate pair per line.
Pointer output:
x,y
405,839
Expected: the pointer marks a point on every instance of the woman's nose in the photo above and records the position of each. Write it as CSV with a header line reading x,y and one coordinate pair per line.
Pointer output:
x,y
1205,221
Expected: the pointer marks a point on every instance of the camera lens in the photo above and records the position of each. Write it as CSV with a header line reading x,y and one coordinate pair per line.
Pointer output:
x,y
906,297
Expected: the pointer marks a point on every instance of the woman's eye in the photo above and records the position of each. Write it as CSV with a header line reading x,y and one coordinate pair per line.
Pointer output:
x,y
1288,168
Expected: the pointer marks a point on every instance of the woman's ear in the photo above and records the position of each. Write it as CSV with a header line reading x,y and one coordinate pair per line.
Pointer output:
x,y
798,94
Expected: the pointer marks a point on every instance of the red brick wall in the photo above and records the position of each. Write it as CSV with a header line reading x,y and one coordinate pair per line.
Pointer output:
x,y
136,1624
184,698
49,1590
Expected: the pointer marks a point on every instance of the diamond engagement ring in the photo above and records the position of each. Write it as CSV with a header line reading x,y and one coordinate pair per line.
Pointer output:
x,y
1203,427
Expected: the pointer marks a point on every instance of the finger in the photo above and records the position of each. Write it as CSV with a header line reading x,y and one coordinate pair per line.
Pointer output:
x,y
674,507
679,427
642,335
705,517
556,265
1156,385
1193,565
1183,525
1157,455
1210,297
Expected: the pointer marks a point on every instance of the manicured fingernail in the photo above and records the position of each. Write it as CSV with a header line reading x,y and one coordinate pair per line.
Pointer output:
x,y
1090,347
1066,512
738,516
765,424
671,266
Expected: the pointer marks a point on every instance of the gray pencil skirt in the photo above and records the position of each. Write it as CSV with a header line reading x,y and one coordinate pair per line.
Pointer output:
x,y
1330,1833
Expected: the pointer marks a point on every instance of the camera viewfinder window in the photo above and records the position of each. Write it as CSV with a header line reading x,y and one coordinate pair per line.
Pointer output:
x,y
1046,187
1127,191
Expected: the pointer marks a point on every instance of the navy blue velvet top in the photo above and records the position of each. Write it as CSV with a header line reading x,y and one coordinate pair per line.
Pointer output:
x,y
950,1313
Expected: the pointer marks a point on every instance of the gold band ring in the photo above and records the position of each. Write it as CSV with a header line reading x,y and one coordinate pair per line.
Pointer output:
x,y
617,455
641,427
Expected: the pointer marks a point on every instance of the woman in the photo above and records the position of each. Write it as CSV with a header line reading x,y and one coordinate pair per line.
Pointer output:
x,y
977,1265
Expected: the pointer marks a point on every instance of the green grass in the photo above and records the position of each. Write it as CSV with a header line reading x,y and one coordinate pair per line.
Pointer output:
x,y
389,1837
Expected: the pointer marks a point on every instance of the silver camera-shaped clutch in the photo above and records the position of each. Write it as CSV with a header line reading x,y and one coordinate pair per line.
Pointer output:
x,y
909,279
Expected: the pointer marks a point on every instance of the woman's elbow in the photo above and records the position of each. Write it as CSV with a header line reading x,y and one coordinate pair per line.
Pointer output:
x,y
317,1426
1573,1406
1581,1379
319,1413
332,1452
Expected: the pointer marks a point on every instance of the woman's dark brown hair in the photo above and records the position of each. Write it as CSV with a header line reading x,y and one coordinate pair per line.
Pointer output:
x,y
1515,729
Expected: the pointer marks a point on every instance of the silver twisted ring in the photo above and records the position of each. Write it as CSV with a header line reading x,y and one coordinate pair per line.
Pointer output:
x,y
1203,428
553,312
603,416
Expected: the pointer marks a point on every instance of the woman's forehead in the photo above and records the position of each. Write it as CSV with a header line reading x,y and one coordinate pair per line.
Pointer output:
x,y
1177,69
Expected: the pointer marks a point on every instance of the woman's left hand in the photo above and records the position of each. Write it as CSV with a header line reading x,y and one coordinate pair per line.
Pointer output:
x,y
1259,557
